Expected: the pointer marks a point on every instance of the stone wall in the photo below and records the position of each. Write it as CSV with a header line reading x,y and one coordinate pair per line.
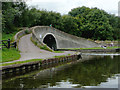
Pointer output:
x,y
21,33
30,66
63,39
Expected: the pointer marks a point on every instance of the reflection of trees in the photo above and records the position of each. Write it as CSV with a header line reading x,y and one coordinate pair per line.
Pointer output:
x,y
91,72
87,73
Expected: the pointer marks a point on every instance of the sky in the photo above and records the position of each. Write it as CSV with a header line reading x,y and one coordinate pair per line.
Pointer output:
x,y
64,6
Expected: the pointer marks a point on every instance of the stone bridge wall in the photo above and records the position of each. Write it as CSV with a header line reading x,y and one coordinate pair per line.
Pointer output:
x,y
63,40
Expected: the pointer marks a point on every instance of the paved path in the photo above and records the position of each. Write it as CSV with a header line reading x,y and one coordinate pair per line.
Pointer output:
x,y
30,51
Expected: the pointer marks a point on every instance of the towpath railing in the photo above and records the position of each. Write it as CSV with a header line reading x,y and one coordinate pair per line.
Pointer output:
x,y
7,44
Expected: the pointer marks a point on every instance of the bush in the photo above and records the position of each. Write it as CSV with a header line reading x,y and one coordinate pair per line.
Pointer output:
x,y
45,48
27,32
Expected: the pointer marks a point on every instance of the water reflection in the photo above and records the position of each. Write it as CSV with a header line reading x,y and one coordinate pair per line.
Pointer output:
x,y
92,72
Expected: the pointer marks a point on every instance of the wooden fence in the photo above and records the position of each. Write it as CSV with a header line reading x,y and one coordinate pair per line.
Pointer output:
x,y
7,44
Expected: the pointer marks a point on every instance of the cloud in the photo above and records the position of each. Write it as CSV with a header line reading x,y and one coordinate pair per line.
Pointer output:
x,y
64,6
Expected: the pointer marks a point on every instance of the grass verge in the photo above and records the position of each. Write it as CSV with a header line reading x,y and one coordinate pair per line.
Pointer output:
x,y
58,51
44,47
102,48
115,47
59,56
8,36
20,62
10,54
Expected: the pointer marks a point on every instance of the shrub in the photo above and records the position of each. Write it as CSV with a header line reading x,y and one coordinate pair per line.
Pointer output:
x,y
27,32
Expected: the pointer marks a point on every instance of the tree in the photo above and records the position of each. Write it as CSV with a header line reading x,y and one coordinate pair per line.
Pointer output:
x,y
83,11
70,25
81,21
8,16
101,29
11,13
94,23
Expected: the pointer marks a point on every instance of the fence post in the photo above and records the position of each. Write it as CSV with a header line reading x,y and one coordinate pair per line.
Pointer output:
x,y
8,43
14,44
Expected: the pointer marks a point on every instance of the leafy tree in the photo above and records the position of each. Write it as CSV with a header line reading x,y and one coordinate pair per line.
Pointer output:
x,y
70,25
100,27
8,17
94,23
81,21
80,10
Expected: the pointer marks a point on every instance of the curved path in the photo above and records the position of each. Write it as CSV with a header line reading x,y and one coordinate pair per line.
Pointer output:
x,y
29,51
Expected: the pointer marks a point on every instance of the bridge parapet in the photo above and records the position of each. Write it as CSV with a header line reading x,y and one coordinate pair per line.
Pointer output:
x,y
56,39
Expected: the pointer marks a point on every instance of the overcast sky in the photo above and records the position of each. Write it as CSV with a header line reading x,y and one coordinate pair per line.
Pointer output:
x,y
64,6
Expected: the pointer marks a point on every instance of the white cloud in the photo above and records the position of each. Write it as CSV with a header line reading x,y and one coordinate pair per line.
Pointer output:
x,y
64,6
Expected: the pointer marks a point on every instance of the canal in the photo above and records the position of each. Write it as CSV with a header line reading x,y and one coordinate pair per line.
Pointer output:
x,y
95,71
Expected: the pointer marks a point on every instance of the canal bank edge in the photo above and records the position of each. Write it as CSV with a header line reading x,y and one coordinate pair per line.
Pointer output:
x,y
19,67
92,50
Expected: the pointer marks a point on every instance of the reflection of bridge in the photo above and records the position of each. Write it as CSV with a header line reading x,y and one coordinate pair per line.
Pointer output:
x,y
56,39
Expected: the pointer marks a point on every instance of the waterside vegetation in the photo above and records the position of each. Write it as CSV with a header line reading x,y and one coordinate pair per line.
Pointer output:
x,y
90,23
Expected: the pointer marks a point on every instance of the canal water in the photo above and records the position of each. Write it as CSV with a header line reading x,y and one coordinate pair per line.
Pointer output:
x,y
97,71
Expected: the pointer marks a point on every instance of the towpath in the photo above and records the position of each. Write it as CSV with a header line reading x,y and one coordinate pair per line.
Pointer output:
x,y
29,51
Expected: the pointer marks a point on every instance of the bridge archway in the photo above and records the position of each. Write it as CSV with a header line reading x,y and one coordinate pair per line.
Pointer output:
x,y
50,41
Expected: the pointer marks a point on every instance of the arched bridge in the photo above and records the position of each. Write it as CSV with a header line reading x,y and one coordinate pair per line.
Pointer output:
x,y
56,39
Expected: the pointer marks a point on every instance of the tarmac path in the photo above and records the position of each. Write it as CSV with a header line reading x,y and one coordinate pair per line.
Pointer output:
x,y
29,51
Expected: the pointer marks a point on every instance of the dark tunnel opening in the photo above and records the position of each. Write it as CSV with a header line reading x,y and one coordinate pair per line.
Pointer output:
x,y
50,41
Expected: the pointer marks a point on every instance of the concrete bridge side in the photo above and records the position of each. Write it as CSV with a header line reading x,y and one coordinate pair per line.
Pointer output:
x,y
62,39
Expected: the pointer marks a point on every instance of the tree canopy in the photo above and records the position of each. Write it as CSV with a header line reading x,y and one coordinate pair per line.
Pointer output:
x,y
83,21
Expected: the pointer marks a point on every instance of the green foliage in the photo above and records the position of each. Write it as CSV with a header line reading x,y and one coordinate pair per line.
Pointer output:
x,y
45,48
84,22
41,46
70,25
79,11
98,24
8,14
8,36
9,54
27,32
95,23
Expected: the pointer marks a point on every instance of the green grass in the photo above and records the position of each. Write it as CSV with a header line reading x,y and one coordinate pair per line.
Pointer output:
x,y
62,56
92,48
59,56
69,54
44,47
112,47
8,36
20,62
58,51
101,48
10,54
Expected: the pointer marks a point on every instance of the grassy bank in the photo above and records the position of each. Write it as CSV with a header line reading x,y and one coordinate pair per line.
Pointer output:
x,y
8,36
102,48
44,47
58,51
20,62
12,53
115,47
